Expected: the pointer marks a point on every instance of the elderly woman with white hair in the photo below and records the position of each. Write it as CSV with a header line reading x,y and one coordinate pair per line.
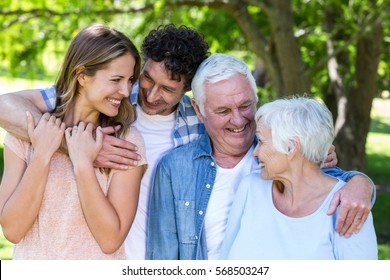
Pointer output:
x,y
281,213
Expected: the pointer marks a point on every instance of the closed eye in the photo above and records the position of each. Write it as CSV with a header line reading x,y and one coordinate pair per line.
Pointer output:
x,y
244,107
168,90
223,112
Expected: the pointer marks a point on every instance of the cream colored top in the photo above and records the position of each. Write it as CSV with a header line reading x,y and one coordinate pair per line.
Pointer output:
x,y
60,230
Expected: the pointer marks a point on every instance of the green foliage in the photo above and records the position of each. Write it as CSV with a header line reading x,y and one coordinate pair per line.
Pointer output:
x,y
37,32
343,22
34,32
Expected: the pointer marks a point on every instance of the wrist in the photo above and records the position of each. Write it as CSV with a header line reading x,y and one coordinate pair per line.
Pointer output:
x,y
42,158
81,167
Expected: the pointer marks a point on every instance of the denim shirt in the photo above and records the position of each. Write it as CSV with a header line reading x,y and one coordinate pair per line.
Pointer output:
x,y
181,190
183,183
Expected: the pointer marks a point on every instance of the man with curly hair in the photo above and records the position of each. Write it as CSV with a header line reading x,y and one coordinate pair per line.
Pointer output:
x,y
165,116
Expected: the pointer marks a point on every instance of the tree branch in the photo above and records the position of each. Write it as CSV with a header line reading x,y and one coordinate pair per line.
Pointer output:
x,y
372,22
26,15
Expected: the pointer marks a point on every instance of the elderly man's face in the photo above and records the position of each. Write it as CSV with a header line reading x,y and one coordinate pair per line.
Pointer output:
x,y
230,108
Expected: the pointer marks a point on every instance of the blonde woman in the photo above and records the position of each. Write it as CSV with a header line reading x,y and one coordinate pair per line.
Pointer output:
x,y
58,206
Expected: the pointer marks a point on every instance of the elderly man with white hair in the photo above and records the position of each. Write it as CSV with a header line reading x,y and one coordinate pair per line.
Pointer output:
x,y
194,185
281,213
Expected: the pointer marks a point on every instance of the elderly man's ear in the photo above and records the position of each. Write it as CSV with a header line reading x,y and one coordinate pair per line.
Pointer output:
x,y
196,108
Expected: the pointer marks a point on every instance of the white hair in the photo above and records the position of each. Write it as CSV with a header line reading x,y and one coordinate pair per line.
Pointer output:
x,y
301,119
218,67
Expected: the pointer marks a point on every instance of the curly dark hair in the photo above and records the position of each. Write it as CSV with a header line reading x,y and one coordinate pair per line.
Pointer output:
x,y
181,48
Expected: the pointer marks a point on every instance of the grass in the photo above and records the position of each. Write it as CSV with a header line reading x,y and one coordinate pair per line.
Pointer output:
x,y
5,248
378,167
378,148
378,158
381,212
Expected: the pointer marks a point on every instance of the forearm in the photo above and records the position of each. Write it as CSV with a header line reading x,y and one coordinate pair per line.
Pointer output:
x,y
99,213
13,109
21,209
358,178
361,179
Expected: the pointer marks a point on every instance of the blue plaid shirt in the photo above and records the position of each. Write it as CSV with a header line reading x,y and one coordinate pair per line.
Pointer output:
x,y
187,126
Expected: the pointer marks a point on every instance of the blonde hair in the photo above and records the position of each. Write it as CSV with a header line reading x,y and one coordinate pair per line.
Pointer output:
x,y
91,50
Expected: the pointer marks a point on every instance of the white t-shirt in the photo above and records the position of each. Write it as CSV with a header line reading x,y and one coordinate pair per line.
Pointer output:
x,y
157,131
221,199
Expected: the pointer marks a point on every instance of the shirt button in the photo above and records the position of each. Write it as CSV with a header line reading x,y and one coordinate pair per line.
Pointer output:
x,y
200,212
212,164
187,203
208,186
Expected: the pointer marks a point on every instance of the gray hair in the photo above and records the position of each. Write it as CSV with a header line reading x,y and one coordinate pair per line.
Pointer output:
x,y
218,67
299,118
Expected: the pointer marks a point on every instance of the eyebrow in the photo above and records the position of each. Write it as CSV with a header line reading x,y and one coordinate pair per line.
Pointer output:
x,y
146,73
170,88
246,102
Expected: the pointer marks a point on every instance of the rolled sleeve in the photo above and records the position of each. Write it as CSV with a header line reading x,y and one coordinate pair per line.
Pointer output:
x,y
49,95
347,175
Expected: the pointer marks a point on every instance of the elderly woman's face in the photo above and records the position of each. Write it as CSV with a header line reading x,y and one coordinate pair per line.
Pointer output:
x,y
271,162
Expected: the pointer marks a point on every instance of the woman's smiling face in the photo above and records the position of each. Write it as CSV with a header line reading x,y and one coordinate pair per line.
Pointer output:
x,y
271,162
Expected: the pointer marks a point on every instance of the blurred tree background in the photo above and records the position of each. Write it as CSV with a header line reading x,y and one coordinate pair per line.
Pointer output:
x,y
335,49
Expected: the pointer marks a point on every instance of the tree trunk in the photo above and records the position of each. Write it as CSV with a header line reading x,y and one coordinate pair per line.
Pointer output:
x,y
258,42
352,126
287,49
280,51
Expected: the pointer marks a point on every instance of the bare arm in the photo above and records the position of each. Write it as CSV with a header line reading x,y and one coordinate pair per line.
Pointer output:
x,y
115,153
22,186
108,217
13,108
